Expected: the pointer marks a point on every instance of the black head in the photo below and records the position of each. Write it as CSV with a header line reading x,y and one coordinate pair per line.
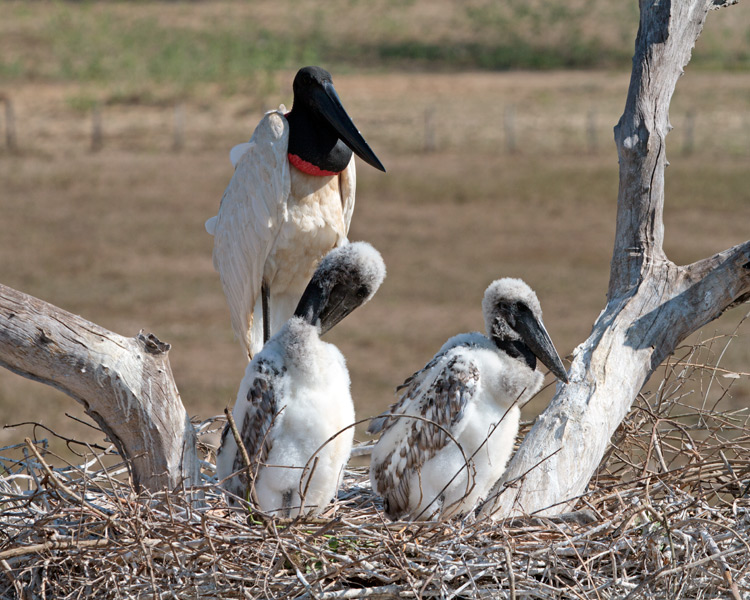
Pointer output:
x,y
321,131
309,78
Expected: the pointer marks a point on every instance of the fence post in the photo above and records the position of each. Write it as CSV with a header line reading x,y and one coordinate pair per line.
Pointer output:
x,y
689,141
429,129
510,129
178,140
591,131
96,128
10,124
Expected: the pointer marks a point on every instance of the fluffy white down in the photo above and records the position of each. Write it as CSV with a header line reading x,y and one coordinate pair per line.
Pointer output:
x,y
315,401
435,491
508,289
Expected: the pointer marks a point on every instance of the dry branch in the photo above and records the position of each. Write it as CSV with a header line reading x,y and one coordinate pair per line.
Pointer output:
x,y
652,304
124,384
663,527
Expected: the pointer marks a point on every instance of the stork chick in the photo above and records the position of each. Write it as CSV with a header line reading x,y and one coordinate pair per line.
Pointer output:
x,y
294,409
448,439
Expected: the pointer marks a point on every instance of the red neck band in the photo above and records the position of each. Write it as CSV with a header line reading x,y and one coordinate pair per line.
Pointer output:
x,y
307,167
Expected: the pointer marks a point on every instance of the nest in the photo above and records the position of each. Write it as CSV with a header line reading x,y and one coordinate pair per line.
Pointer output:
x,y
667,515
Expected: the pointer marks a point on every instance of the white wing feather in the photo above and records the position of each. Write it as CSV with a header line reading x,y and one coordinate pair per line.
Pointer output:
x,y
253,208
236,153
211,224
348,187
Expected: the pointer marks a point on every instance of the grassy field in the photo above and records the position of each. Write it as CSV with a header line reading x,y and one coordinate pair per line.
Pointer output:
x,y
520,179
150,51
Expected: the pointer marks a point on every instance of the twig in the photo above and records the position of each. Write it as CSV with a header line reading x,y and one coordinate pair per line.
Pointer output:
x,y
721,561
511,574
9,574
53,545
237,438
384,591
243,452
52,478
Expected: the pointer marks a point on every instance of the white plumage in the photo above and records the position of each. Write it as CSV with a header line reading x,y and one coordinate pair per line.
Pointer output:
x,y
449,437
289,202
274,224
295,393
295,396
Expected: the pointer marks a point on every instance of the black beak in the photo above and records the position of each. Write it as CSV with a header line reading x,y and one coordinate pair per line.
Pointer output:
x,y
330,108
325,305
535,336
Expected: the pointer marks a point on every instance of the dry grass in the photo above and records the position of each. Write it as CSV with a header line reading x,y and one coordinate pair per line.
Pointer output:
x,y
117,236
666,516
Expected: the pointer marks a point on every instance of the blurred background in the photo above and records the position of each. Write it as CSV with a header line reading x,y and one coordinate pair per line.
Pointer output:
x,y
494,121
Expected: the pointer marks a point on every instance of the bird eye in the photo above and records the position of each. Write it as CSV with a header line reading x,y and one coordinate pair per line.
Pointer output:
x,y
362,291
521,307
508,312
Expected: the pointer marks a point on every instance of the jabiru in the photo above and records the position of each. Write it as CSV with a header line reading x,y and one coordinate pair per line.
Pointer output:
x,y
288,203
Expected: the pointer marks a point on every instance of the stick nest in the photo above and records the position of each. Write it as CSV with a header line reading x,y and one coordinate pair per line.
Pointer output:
x,y
667,515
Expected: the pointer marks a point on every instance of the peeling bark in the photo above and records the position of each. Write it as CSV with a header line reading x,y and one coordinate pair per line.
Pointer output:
x,y
652,304
124,384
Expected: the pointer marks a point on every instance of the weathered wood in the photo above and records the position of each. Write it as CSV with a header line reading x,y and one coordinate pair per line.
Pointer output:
x,y
10,124
178,137
97,137
652,304
124,384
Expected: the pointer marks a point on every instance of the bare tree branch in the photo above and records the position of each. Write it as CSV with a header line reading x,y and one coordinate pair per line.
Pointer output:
x,y
124,384
652,304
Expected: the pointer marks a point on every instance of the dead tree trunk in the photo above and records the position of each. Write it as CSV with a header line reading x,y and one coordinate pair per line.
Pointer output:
x,y
124,384
652,304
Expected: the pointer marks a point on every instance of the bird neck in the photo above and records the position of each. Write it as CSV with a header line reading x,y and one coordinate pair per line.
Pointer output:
x,y
307,167
518,350
302,345
314,146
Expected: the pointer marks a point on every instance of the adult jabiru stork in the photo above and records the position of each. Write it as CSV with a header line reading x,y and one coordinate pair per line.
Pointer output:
x,y
288,203
294,409
447,440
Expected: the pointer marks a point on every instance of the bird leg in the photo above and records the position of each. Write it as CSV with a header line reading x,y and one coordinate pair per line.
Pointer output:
x,y
286,503
265,295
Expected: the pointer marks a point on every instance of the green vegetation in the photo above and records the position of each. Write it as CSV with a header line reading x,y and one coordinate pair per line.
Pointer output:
x,y
175,46
83,44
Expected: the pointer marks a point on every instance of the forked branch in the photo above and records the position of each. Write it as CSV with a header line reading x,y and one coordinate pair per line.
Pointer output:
x,y
652,304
